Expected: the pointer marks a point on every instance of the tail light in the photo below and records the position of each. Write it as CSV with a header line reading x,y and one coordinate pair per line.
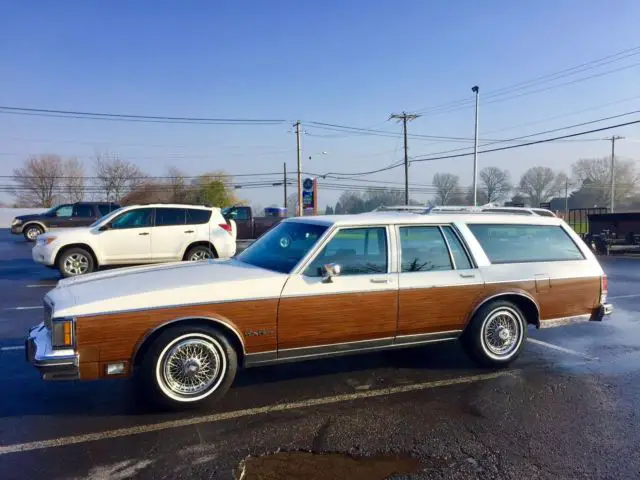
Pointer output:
x,y
604,289
226,227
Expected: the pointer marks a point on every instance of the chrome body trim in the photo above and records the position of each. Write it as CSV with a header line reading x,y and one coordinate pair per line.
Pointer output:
x,y
559,322
426,337
224,323
607,309
339,349
53,364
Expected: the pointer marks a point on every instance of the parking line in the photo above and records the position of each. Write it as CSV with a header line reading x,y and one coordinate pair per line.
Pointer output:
x,y
633,295
560,349
15,347
25,308
218,417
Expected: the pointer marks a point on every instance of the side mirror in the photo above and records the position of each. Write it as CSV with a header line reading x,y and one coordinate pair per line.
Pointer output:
x,y
331,270
105,227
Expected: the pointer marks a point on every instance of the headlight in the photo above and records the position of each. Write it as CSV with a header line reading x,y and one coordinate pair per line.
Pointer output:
x,y
62,333
16,221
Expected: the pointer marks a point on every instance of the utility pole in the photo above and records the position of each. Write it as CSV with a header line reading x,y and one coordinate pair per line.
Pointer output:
x,y
566,200
613,171
285,184
405,117
299,209
475,90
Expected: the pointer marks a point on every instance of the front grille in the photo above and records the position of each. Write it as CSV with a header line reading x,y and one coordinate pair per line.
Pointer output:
x,y
48,311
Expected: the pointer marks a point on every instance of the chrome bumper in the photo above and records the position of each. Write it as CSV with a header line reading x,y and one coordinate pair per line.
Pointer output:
x,y
52,364
596,316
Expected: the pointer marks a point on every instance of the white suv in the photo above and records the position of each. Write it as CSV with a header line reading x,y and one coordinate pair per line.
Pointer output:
x,y
136,235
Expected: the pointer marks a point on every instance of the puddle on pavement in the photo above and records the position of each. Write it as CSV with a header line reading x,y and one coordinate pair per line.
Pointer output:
x,y
324,466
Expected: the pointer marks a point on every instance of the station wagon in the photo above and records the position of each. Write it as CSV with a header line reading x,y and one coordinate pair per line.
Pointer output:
x,y
316,287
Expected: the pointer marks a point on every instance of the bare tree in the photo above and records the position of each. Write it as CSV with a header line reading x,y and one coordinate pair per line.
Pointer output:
x,y
73,182
495,183
177,185
447,187
117,177
540,184
38,180
596,173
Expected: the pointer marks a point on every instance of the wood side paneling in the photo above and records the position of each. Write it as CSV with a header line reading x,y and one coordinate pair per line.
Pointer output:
x,y
114,337
569,297
326,319
436,309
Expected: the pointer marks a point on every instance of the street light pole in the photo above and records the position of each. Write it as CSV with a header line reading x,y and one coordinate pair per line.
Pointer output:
x,y
475,90
299,206
613,171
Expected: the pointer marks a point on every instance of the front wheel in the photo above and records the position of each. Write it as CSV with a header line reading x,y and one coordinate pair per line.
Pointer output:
x,y
74,262
496,334
189,366
31,232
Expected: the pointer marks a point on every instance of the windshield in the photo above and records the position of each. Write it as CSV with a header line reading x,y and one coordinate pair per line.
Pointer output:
x,y
106,217
283,247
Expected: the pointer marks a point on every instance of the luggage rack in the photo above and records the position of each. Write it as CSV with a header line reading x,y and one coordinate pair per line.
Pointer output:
x,y
536,212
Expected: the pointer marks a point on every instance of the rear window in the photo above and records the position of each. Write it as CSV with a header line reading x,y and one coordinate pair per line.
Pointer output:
x,y
166,217
505,243
197,216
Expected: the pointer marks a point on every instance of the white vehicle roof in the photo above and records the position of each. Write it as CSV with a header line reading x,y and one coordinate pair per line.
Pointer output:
x,y
494,209
405,218
170,205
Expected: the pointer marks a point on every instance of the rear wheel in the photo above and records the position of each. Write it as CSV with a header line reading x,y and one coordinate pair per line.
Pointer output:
x,y
31,232
496,334
200,252
189,366
74,262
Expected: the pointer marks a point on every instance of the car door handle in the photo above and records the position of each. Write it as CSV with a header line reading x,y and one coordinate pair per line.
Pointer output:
x,y
144,233
468,275
188,231
380,280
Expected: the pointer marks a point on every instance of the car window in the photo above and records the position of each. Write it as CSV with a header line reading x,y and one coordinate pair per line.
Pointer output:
x,y
133,219
525,243
358,251
460,256
106,209
197,216
167,217
282,248
236,213
423,249
82,210
64,211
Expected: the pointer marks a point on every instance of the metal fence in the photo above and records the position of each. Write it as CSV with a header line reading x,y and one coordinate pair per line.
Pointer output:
x,y
578,218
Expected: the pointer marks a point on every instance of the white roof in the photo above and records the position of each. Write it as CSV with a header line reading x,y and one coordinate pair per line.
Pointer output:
x,y
170,205
384,218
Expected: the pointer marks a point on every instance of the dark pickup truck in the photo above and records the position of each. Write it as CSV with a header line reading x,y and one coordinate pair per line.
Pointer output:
x,y
250,227
68,215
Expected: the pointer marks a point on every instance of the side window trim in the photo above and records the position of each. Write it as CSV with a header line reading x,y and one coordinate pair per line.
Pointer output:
x,y
465,247
446,242
328,236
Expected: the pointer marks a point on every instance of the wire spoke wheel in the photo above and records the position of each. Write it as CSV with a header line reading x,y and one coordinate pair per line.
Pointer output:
x,y
191,367
502,333
76,264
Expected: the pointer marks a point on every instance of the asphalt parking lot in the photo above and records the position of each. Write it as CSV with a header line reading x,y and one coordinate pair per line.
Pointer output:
x,y
568,408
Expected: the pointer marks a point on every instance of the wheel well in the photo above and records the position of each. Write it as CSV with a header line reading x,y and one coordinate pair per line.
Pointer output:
x,y
230,335
77,245
523,302
38,224
198,244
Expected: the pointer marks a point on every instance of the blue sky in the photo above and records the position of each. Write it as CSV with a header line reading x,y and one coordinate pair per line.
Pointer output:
x,y
344,62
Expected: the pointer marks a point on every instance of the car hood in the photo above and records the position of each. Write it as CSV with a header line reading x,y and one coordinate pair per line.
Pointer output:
x,y
166,285
31,216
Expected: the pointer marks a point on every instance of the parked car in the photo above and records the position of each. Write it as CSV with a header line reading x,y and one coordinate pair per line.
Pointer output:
x,y
68,215
136,235
317,287
250,227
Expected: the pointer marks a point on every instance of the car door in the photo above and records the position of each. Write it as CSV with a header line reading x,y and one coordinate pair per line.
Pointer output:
x,y
82,215
60,217
127,238
170,236
355,310
438,283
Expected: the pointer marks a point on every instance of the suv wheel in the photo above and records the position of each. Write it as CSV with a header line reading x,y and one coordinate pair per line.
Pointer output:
x,y
496,334
189,366
32,231
200,252
75,261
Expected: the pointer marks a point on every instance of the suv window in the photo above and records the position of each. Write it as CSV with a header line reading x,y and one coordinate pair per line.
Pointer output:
x,y
460,256
197,216
105,209
525,243
64,211
166,217
236,213
359,251
423,249
82,210
133,219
